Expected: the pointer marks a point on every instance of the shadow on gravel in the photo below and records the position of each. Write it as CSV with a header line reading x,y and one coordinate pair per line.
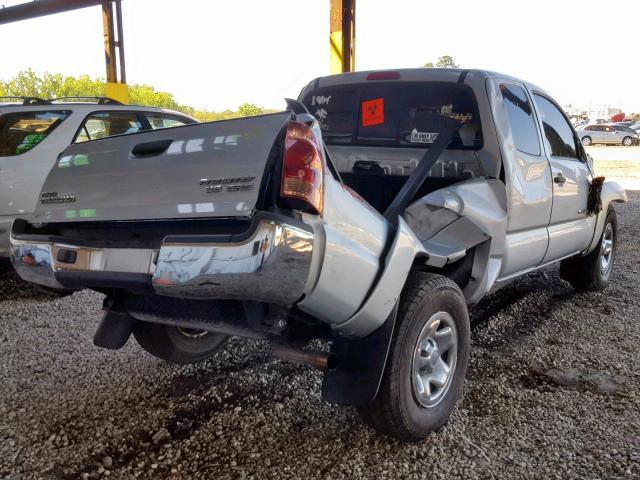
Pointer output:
x,y
547,290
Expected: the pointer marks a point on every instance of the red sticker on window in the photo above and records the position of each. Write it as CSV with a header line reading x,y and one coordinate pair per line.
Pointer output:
x,y
373,112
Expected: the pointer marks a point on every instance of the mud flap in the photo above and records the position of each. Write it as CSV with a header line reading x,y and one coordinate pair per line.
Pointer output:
x,y
361,364
116,326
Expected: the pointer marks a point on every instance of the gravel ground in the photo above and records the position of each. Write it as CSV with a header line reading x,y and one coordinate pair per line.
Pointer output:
x,y
552,392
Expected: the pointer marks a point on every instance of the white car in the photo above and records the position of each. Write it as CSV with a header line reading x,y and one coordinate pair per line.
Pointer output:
x,y
33,132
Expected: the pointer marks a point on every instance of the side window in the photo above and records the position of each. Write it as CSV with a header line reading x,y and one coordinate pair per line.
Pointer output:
x,y
557,131
22,131
521,119
164,120
106,124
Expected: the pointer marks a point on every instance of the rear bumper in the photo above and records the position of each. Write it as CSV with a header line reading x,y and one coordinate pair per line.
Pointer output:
x,y
269,263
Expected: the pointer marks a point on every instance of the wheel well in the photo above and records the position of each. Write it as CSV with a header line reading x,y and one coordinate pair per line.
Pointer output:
x,y
459,271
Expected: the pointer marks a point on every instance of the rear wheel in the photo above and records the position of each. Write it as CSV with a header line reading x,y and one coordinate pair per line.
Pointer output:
x,y
592,272
176,344
627,141
427,363
586,141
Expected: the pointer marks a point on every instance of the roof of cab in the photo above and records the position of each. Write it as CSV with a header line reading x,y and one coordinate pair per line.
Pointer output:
x,y
459,75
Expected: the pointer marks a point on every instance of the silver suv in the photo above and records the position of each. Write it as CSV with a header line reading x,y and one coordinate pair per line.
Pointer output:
x,y
34,131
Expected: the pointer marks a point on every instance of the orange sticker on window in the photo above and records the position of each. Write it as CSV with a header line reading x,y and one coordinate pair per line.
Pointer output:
x,y
373,112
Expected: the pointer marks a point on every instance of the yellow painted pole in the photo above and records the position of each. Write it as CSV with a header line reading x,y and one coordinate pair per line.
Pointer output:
x,y
115,89
342,30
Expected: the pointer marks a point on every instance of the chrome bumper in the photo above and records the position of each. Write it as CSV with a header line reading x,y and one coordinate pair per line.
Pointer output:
x,y
271,264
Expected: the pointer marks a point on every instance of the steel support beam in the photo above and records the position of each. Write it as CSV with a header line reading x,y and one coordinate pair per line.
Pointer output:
x,y
342,38
34,9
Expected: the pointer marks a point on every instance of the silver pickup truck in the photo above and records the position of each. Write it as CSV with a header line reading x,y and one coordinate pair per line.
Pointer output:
x,y
370,214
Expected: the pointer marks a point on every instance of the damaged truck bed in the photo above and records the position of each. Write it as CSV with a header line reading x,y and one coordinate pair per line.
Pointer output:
x,y
369,214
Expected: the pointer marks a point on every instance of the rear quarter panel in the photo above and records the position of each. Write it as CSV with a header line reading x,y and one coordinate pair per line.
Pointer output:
x,y
353,237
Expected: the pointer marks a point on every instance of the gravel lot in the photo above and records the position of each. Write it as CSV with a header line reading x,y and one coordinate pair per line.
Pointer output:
x,y
552,392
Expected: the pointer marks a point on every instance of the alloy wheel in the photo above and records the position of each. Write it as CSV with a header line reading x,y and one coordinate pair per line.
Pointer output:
x,y
434,359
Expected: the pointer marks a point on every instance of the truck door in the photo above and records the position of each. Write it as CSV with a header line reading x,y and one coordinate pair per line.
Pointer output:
x,y
569,228
527,177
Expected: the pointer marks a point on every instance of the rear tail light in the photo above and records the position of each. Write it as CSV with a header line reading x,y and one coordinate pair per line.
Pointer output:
x,y
303,166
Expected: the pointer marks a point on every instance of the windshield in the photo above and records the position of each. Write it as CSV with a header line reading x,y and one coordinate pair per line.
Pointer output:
x,y
395,114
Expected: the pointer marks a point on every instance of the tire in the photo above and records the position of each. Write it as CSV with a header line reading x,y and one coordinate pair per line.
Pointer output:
x,y
586,141
627,141
593,271
177,345
403,407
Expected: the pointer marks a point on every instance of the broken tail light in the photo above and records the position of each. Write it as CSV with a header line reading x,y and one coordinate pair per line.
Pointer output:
x,y
303,166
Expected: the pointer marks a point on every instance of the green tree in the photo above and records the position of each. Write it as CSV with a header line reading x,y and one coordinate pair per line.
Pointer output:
x,y
29,84
446,61
249,109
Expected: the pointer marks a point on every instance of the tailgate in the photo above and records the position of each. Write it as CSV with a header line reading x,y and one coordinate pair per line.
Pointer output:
x,y
202,170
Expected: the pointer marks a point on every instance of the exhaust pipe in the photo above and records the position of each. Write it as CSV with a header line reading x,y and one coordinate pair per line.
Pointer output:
x,y
320,360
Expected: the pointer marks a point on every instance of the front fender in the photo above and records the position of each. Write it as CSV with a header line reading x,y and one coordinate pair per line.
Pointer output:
x,y
611,192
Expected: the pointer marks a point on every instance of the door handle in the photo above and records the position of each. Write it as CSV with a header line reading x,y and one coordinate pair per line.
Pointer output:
x,y
151,149
559,179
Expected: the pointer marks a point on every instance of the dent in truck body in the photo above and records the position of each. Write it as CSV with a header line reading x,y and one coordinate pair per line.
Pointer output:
x,y
355,238
384,297
479,206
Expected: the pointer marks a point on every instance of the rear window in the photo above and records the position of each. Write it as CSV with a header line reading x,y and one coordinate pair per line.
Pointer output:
x,y
22,131
395,114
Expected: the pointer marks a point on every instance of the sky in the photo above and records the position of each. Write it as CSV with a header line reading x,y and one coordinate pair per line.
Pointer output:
x,y
220,53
